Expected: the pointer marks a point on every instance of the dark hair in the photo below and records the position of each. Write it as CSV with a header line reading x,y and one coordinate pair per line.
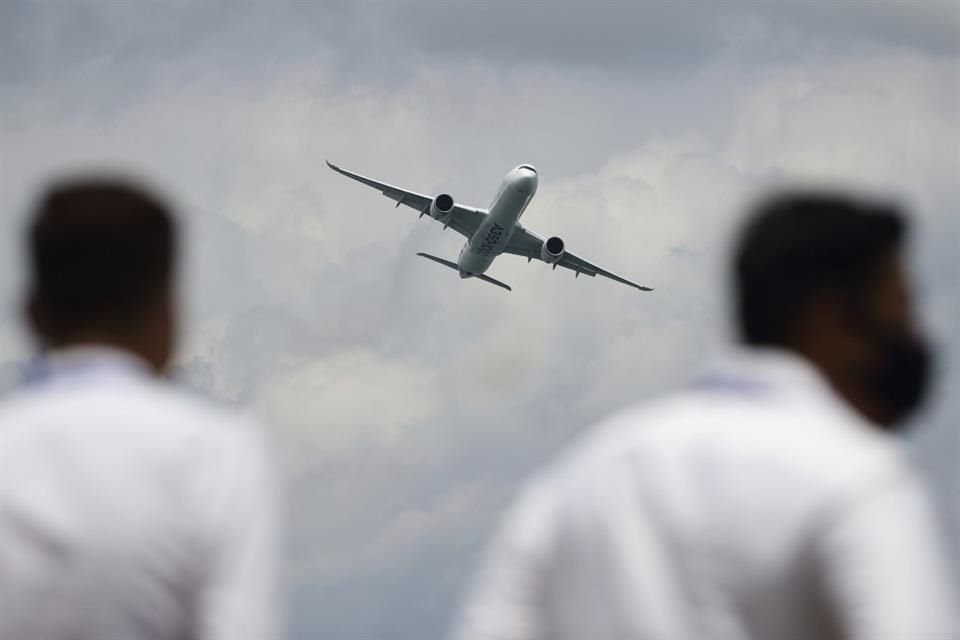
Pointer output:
x,y
799,244
101,250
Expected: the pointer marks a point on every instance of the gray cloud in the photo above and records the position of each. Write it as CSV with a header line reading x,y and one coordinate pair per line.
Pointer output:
x,y
659,37
389,42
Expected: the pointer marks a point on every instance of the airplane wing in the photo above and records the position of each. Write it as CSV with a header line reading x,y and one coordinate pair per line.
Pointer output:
x,y
526,244
464,220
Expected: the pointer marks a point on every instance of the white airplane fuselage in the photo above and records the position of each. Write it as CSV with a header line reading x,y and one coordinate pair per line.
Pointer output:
x,y
491,237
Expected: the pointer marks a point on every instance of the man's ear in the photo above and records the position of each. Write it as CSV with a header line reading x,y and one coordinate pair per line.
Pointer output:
x,y
37,317
819,318
164,329
823,327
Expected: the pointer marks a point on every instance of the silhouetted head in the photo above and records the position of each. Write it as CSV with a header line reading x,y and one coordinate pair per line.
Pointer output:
x,y
101,257
823,275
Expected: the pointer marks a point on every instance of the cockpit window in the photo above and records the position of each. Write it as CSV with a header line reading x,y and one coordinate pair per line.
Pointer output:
x,y
526,166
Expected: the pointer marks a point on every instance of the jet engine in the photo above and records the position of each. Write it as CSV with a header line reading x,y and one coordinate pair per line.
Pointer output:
x,y
441,206
552,250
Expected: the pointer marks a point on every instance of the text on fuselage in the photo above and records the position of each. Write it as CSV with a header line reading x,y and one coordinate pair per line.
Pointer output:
x,y
490,240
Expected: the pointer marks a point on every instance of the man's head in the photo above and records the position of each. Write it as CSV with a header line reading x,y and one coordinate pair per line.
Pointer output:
x,y
102,255
823,275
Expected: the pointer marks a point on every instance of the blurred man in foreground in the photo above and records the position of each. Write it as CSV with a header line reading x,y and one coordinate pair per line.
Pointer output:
x,y
771,500
128,511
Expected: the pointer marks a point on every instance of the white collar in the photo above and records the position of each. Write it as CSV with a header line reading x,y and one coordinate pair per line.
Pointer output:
x,y
85,360
767,370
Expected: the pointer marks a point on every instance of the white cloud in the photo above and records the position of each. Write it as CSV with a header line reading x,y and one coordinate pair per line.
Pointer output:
x,y
348,403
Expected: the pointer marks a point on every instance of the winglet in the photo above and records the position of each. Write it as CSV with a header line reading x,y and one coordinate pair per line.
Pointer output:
x,y
331,165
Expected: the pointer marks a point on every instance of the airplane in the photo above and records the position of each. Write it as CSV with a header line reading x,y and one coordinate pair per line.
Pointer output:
x,y
491,232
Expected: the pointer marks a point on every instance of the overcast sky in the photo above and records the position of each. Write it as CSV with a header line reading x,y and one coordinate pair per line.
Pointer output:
x,y
407,404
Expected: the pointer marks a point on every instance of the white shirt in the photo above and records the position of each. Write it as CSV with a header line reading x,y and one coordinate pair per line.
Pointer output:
x,y
753,506
130,511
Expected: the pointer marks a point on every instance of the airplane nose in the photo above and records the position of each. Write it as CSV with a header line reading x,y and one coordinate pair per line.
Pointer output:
x,y
526,180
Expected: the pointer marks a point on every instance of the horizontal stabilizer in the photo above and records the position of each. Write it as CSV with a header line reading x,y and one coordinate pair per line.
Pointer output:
x,y
486,278
455,267
446,263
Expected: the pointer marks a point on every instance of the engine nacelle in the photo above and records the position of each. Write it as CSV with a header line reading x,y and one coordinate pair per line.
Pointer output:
x,y
441,206
552,250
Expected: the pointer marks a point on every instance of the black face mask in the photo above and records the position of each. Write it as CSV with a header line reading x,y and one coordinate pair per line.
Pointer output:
x,y
900,377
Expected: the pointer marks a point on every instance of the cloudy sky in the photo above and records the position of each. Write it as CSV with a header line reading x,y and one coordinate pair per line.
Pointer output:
x,y
407,405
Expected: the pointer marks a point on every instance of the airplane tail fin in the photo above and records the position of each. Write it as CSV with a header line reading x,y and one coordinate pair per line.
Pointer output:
x,y
455,267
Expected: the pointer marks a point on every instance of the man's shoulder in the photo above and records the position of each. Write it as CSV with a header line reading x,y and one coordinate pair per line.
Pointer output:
x,y
824,451
198,407
635,428
141,408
